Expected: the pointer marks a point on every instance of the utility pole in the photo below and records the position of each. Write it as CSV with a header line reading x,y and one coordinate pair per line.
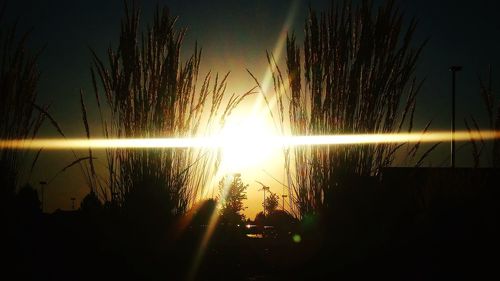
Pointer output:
x,y
283,206
42,189
453,70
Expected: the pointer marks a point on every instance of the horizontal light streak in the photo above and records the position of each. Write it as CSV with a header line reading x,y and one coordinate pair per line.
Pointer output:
x,y
220,142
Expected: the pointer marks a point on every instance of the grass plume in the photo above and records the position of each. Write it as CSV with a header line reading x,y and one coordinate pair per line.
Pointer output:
x,y
144,90
352,75
19,118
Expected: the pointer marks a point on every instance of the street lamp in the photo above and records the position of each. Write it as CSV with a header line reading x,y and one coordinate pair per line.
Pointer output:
x,y
453,70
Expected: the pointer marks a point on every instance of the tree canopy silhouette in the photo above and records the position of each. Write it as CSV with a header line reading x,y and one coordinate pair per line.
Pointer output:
x,y
232,192
271,203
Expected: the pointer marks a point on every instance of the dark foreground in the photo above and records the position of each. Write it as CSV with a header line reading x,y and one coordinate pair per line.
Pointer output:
x,y
443,229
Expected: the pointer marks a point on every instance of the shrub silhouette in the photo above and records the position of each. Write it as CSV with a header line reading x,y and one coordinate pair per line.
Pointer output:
x,y
91,204
201,213
27,202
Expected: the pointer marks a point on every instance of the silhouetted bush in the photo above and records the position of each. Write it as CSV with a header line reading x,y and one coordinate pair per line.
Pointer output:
x,y
28,204
91,204
202,212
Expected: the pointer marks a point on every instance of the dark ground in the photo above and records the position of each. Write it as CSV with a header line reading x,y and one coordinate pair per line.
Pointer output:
x,y
434,227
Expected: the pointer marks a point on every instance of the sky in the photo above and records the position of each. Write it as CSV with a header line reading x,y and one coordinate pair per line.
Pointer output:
x,y
234,36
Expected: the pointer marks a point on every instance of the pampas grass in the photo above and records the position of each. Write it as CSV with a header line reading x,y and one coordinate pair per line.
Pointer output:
x,y
145,91
493,111
19,118
354,74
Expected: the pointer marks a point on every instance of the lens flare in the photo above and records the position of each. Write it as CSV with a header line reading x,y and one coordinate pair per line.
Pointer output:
x,y
222,142
212,223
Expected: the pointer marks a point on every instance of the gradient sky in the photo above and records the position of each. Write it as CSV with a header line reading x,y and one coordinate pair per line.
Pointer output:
x,y
234,36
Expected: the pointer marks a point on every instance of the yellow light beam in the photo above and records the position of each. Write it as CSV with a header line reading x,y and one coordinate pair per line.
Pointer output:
x,y
220,142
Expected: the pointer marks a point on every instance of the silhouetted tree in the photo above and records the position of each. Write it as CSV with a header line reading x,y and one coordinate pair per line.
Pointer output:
x,y
260,218
232,192
271,203
280,219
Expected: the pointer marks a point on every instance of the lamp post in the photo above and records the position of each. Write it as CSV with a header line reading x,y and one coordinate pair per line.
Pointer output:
x,y
453,70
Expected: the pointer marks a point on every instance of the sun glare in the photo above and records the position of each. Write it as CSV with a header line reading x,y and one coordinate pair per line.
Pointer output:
x,y
245,143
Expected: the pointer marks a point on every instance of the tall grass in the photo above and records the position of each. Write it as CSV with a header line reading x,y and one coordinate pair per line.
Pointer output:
x,y
493,113
493,110
145,91
354,74
19,118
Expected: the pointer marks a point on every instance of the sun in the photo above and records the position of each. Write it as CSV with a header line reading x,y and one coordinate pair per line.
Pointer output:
x,y
245,143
